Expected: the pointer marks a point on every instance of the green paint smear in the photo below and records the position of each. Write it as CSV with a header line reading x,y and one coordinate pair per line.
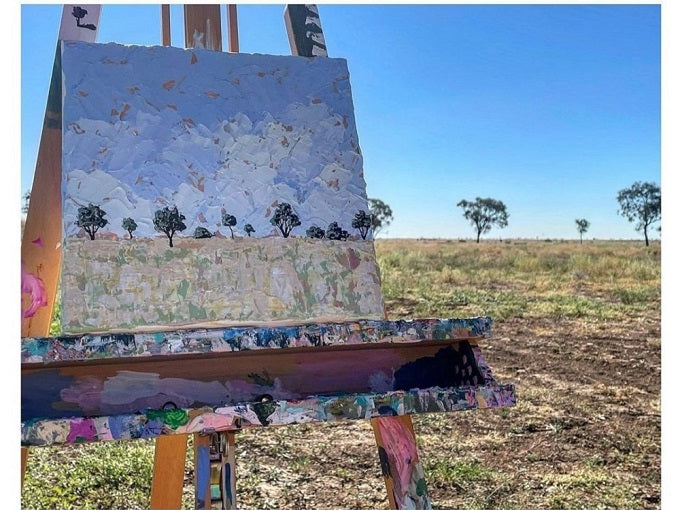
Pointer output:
x,y
173,417
197,313
421,487
264,410
183,288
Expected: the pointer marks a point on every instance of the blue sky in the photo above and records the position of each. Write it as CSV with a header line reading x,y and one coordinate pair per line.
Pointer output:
x,y
550,108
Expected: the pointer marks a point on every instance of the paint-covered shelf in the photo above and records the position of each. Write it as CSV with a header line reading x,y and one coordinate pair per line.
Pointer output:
x,y
266,411
153,423
105,387
202,341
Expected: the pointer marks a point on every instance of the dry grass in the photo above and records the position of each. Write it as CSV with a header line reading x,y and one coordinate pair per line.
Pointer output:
x,y
578,332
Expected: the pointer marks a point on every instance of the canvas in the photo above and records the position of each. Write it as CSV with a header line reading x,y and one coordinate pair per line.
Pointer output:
x,y
208,188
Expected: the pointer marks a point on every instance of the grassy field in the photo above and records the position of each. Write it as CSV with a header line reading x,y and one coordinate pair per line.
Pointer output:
x,y
577,330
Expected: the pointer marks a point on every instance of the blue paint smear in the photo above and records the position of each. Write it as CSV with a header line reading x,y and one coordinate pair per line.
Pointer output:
x,y
40,391
152,428
118,425
202,475
35,347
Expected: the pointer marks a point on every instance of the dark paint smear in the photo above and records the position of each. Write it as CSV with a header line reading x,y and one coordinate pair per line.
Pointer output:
x,y
39,393
384,462
227,483
439,370
263,410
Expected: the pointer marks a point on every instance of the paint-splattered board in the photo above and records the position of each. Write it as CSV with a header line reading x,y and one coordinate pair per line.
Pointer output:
x,y
251,377
154,423
106,387
204,341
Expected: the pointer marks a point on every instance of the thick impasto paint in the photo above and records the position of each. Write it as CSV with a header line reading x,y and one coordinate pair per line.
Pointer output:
x,y
90,347
362,370
190,181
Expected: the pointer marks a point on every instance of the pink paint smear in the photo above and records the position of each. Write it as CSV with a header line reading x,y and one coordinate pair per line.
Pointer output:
x,y
33,285
401,451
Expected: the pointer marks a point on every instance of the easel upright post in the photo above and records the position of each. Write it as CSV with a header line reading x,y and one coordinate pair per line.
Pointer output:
x,y
165,24
41,243
232,21
203,27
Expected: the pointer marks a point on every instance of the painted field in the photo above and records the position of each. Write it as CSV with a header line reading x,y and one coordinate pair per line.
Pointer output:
x,y
576,329
268,279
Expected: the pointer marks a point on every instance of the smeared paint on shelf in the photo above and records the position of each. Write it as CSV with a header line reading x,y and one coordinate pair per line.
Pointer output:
x,y
169,343
280,412
98,387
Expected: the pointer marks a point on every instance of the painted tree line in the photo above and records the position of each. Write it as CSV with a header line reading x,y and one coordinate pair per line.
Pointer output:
x,y
639,204
170,221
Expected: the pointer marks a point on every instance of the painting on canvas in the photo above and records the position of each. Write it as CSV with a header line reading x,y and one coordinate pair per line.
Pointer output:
x,y
202,188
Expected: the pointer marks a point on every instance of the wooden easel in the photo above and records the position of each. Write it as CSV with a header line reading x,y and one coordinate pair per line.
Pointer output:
x,y
214,450
166,491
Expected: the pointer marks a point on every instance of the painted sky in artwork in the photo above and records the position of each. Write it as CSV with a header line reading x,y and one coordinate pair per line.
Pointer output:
x,y
208,132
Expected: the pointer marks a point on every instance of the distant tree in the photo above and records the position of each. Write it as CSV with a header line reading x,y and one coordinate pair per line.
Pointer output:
x,y
202,233
642,203
229,221
130,225
362,221
483,213
91,219
249,229
336,233
26,197
381,215
582,225
315,232
169,221
285,219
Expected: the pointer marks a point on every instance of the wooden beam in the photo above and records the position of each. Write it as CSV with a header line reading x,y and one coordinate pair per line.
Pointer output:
x,y
165,24
202,471
168,472
304,30
229,473
232,20
400,464
24,458
41,243
202,27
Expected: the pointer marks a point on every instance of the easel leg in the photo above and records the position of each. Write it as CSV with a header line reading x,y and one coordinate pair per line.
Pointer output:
x,y
215,462
229,473
24,458
168,472
401,467
202,471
